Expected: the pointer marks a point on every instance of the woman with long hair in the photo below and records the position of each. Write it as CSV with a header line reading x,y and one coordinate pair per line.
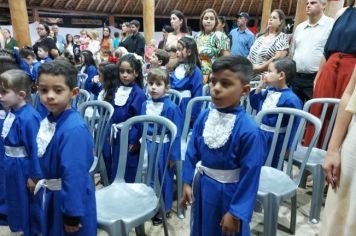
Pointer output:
x,y
44,39
106,45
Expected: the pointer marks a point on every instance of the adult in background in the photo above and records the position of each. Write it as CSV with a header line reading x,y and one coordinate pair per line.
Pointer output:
x,y
340,168
125,31
60,40
180,29
94,45
106,44
272,44
135,43
242,38
43,32
211,43
222,25
308,46
165,31
9,41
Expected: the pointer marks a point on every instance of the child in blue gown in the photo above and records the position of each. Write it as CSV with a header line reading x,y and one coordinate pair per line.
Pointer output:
x,y
187,76
89,67
3,210
224,156
280,72
20,163
127,102
161,105
65,148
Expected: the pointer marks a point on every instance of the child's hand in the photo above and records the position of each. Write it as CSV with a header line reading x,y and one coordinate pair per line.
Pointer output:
x,y
96,79
134,148
72,229
229,224
31,185
261,85
187,198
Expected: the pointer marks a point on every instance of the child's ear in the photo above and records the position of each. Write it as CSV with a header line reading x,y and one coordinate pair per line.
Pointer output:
x,y
189,52
75,92
22,94
282,75
245,89
160,62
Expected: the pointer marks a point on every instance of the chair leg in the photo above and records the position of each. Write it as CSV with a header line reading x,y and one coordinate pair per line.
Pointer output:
x,y
293,217
270,218
140,230
180,211
317,196
303,181
164,218
102,171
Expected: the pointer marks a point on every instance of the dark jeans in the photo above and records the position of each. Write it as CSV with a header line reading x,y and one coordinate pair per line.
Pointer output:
x,y
303,85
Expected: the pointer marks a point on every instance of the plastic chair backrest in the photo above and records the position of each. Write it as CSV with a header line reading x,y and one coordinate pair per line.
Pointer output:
x,y
162,128
292,114
327,103
206,90
81,78
254,83
82,97
97,115
175,96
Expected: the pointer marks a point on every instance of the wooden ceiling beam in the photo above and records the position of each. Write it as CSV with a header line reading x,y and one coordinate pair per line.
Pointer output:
x,y
177,4
55,3
99,5
107,5
240,9
79,4
280,4
232,7
115,6
214,3
290,6
186,7
221,7
31,1
138,3
68,3
91,4
249,7
165,9
126,4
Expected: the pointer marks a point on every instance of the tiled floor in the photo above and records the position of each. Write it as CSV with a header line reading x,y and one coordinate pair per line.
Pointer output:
x,y
178,227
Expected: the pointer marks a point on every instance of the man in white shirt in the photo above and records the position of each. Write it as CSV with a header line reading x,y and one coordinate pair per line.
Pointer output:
x,y
308,47
61,41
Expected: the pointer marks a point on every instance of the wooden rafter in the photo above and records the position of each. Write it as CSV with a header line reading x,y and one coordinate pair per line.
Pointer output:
x,y
107,5
99,5
249,7
115,6
205,6
290,6
232,7
242,4
177,4
55,3
136,5
31,1
126,4
195,7
280,4
165,9
79,4
186,7
91,4
157,5
221,7
68,3
214,4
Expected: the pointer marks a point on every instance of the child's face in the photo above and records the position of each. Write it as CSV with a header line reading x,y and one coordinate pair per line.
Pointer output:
x,y
226,89
157,88
154,61
10,98
182,52
273,77
29,60
55,93
127,73
42,53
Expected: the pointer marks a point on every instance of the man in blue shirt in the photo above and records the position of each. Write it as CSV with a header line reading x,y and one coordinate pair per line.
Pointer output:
x,y
61,41
241,37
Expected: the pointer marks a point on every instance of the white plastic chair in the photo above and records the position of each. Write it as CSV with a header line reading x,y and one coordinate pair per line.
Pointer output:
x,y
276,185
175,96
317,155
82,97
81,78
97,115
123,206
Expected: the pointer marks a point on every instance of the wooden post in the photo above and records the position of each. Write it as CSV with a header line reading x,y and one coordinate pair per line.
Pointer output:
x,y
301,13
19,21
112,20
266,12
149,19
333,6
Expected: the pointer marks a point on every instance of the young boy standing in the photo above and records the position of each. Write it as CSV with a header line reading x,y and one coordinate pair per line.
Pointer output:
x,y
222,150
69,199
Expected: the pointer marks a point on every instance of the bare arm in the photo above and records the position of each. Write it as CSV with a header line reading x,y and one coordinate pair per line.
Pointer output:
x,y
321,65
264,66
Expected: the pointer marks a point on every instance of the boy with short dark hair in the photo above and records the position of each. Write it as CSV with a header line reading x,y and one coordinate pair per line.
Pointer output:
x,y
43,53
69,200
27,62
222,150
159,58
76,48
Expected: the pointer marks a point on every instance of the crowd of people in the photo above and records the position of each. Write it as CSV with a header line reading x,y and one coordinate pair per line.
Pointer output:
x,y
46,150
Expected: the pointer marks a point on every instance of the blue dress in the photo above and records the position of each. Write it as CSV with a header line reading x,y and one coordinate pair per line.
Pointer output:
x,y
224,139
192,85
31,71
89,86
166,108
60,158
3,209
272,98
20,163
127,103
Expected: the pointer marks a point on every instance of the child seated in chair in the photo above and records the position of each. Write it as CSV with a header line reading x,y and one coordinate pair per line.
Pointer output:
x,y
65,148
159,104
277,94
224,156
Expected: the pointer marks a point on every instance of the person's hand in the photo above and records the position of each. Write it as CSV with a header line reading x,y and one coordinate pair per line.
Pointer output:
x,y
331,168
31,185
261,85
229,224
96,79
256,69
187,198
72,229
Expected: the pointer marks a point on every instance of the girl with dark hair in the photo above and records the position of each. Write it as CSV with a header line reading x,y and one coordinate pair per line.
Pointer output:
x,y
70,43
187,76
89,67
43,32
106,43
127,103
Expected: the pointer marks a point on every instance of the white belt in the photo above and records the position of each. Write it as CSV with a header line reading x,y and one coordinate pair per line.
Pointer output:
x,y
186,93
17,152
51,184
222,176
272,129
165,138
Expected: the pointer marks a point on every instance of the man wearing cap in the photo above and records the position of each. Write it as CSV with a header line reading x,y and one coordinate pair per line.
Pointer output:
x,y
308,47
241,37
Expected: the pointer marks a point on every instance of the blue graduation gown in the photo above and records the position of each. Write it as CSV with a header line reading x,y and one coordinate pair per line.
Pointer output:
x,y
192,83
3,209
63,159
127,109
172,112
32,72
23,211
91,87
245,149
272,98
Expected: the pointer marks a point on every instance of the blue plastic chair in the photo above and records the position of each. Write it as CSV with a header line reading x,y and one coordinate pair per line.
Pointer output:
x,y
206,90
275,184
81,78
317,155
82,97
175,96
97,115
123,206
